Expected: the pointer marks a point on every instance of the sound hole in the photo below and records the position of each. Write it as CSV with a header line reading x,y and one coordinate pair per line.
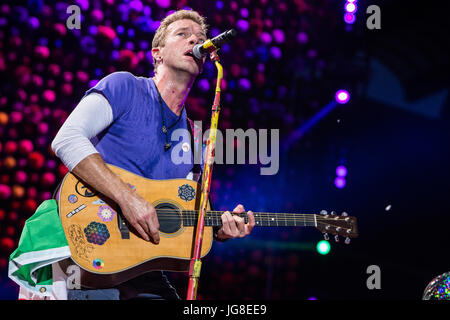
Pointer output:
x,y
169,217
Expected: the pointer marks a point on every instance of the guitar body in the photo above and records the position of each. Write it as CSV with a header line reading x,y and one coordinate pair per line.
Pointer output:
x,y
106,247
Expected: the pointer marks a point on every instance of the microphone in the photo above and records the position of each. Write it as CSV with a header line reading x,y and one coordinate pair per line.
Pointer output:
x,y
215,43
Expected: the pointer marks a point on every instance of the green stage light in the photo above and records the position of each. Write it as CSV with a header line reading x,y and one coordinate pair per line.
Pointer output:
x,y
323,247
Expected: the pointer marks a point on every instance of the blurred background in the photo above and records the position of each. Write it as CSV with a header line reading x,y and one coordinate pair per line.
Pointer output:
x,y
363,117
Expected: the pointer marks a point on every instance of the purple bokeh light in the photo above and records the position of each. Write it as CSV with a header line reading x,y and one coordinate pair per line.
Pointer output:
x,y
341,171
278,35
203,84
244,84
219,5
339,182
242,25
302,37
349,18
244,12
163,3
275,52
266,38
342,96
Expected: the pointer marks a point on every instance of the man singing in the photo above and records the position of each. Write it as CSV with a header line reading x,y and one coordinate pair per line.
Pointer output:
x,y
127,121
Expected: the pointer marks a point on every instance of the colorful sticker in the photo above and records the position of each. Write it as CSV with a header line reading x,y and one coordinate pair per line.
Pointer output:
x,y
99,201
72,198
98,264
96,233
84,191
133,188
106,213
76,211
186,192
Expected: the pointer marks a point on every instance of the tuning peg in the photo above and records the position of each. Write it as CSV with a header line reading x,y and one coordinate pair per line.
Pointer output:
x,y
336,238
347,240
326,237
344,214
333,213
324,212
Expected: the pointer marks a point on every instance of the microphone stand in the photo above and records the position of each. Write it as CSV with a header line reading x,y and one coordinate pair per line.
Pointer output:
x,y
195,264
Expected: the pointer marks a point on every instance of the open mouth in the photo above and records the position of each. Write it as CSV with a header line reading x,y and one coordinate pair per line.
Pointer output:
x,y
189,54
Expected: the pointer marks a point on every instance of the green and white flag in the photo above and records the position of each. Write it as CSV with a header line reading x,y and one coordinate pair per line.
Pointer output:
x,y
41,243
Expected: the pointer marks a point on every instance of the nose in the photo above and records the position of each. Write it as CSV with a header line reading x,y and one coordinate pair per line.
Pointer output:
x,y
193,39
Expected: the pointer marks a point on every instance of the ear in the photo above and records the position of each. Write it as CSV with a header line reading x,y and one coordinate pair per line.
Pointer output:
x,y
156,53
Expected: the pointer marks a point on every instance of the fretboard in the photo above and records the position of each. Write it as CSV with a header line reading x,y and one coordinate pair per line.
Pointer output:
x,y
262,219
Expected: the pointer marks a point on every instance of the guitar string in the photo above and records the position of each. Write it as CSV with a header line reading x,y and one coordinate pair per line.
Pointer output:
x,y
287,214
270,216
293,217
264,216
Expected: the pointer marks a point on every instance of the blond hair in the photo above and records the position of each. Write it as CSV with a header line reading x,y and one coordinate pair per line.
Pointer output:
x,y
160,34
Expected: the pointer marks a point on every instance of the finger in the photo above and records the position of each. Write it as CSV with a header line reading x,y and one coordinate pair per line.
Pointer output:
x,y
226,218
251,221
141,231
153,225
239,209
234,231
240,225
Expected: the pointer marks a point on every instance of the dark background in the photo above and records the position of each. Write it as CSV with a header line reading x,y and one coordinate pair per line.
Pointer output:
x,y
392,135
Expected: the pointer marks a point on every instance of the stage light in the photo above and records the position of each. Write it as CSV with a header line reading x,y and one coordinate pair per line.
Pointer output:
x,y
18,191
266,38
339,182
350,7
9,162
25,146
323,247
278,35
20,177
244,84
48,179
341,171
242,25
244,12
10,147
5,191
349,18
342,96
203,84
302,37
4,118
276,52
219,5
163,3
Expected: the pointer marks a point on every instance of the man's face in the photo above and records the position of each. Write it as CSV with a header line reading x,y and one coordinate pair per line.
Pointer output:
x,y
181,37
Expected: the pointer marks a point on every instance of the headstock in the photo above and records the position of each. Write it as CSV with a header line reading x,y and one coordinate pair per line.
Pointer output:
x,y
342,225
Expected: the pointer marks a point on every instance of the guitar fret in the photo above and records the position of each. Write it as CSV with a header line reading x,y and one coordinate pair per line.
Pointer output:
x,y
262,219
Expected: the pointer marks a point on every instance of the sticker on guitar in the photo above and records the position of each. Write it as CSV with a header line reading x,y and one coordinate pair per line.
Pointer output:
x,y
84,191
186,192
82,249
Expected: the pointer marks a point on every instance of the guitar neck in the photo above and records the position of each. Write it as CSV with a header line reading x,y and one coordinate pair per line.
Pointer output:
x,y
262,219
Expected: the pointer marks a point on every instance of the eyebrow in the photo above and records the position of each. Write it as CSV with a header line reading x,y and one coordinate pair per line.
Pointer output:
x,y
186,28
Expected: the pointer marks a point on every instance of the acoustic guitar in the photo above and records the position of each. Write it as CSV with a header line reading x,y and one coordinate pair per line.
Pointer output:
x,y
109,251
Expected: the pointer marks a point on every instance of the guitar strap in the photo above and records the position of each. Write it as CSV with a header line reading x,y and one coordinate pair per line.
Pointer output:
x,y
197,168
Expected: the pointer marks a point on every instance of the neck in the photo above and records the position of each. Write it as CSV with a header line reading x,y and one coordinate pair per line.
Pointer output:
x,y
262,219
174,87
